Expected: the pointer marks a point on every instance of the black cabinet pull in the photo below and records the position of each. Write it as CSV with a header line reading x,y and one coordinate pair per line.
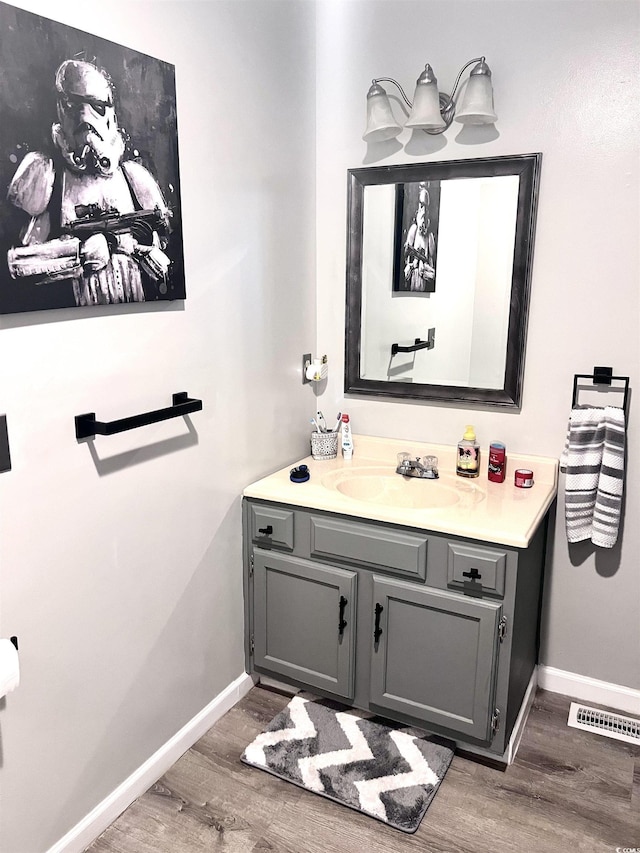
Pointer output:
x,y
474,574
377,631
268,530
342,624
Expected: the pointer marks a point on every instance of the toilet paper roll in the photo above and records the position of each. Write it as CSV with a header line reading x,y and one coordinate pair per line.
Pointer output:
x,y
9,667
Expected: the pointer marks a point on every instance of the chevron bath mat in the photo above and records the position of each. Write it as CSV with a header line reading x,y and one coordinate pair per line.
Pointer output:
x,y
391,774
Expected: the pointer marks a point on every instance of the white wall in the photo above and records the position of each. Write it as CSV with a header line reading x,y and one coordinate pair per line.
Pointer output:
x,y
121,570
566,83
496,243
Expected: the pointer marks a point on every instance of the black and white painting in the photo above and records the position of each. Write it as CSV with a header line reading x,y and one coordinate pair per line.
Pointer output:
x,y
416,236
89,181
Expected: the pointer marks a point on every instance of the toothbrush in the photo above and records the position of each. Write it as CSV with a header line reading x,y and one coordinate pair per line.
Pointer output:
x,y
315,423
322,424
337,426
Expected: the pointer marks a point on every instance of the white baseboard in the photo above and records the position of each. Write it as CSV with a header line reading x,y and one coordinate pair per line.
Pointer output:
x,y
587,689
90,827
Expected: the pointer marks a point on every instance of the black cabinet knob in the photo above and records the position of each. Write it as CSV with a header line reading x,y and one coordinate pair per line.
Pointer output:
x,y
473,574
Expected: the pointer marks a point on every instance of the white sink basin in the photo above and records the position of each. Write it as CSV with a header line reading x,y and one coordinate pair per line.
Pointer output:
x,y
381,485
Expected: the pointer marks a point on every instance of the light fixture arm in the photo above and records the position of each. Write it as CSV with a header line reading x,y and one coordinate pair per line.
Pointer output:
x,y
462,70
377,80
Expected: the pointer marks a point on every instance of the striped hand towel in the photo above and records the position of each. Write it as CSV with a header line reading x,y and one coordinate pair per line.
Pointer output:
x,y
593,458
606,518
582,459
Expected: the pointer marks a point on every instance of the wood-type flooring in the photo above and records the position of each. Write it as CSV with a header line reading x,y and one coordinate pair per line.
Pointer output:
x,y
568,790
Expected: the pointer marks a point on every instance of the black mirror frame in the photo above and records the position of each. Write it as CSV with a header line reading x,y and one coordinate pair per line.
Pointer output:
x,y
527,166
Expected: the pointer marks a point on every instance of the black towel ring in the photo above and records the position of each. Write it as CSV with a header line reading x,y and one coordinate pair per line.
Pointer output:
x,y
602,376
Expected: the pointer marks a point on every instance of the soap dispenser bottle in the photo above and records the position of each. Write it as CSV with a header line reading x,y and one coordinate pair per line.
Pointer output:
x,y
468,463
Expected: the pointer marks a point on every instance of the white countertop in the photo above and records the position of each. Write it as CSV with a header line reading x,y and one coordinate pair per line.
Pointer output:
x,y
479,509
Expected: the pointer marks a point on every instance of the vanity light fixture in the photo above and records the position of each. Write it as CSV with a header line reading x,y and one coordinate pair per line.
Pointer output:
x,y
431,110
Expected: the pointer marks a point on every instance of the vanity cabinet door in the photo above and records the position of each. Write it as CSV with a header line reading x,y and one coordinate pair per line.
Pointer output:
x,y
304,621
435,656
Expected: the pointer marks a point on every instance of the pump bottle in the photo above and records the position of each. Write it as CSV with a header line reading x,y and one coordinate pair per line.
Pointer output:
x,y
468,461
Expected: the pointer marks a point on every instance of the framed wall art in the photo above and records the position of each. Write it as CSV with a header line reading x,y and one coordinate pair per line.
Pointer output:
x,y
91,213
416,236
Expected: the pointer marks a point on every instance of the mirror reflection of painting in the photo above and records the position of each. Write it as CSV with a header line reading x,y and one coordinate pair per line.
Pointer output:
x,y
92,211
416,238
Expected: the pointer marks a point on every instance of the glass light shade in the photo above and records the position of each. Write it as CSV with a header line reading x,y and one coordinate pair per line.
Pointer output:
x,y
381,125
477,103
425,113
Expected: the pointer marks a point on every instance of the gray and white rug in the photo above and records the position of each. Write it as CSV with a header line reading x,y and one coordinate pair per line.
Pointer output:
x,y
389,773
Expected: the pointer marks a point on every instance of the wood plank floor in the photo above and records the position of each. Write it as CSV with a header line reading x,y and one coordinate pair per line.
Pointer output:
x,y
568,790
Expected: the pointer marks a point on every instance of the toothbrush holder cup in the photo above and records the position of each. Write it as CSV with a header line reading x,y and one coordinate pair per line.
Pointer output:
x,y
324,445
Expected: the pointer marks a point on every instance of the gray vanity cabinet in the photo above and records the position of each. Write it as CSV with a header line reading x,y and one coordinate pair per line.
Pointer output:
x,y
425,628
434,656
304,621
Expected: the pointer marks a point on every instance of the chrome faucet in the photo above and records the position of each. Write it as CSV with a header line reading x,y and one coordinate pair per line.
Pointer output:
x,y
426,470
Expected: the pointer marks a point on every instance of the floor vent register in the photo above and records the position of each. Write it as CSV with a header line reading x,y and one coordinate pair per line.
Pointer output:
x,y
604,723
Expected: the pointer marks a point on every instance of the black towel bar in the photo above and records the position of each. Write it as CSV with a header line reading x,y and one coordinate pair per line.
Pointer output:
x,y
602,376
418,344
87,426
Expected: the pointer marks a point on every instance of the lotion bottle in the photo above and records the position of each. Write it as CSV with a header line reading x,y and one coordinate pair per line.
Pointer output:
x,y
347,440
468,462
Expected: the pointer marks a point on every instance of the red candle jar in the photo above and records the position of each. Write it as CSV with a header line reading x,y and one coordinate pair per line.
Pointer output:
x,y
523,478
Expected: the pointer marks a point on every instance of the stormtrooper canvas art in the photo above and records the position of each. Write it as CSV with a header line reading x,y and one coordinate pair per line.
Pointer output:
x,y
89,183
417,218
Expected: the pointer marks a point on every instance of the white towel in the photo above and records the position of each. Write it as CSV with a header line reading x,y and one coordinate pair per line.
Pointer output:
x,y
606,517
582,458
593,457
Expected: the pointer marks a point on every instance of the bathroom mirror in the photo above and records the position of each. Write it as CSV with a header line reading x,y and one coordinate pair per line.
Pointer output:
x,y
438,275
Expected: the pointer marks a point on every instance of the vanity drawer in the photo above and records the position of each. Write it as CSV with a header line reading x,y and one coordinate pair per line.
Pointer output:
x,y
370,546
489,566
271,527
